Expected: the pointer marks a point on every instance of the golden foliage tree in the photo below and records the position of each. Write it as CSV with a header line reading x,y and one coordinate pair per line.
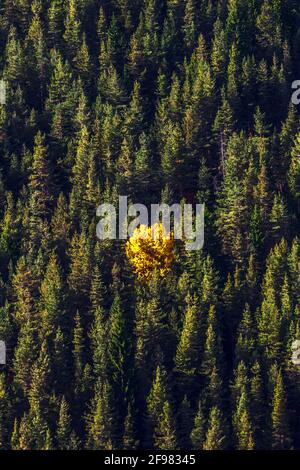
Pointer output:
x,y
150,249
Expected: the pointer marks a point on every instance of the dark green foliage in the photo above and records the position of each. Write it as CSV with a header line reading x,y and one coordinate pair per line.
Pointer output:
x,y
172,100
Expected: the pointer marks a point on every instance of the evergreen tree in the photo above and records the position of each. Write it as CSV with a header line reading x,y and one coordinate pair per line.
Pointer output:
x,y
216,434
100,419
187,356
63,431
198,432
280,426
72,29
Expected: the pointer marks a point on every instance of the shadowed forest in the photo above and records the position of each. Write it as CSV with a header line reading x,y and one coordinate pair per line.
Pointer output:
x,y
175,101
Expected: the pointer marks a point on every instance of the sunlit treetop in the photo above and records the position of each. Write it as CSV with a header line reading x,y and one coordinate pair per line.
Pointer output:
x,y
149,250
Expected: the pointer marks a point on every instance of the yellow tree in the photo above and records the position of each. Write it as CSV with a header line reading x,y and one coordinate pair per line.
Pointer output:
x,y
150,249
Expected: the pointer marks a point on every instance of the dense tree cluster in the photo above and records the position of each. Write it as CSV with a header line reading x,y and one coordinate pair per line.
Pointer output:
x,y
160,100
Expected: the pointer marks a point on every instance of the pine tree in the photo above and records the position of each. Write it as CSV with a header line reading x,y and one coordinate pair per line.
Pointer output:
x,y
213,360
79,276
72,29
233,74
5,413
198,433
164,437
52,298
15,65
269,326
246,344
187,356
143,172
294,170
60,86
40,183
157,405
78,352
63,431
129,439
280,427
125,168
279,219
36,41
189,24
219,50
243,425
118,348
134,118
258,407
100,419
83,64
98,337
55,22
216,438
268,26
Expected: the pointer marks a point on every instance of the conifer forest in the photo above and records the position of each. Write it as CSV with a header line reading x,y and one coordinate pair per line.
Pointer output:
x,y
112,345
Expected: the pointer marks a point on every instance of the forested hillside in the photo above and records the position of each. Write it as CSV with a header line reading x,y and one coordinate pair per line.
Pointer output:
x,y
160,100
